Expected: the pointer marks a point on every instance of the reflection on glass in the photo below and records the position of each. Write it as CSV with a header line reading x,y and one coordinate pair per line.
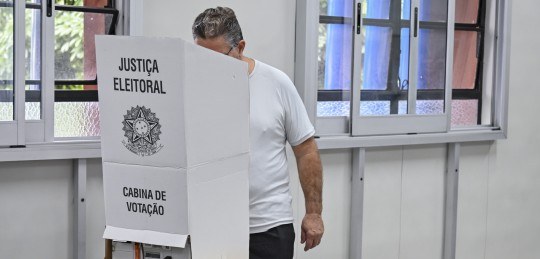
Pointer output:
x,y
465,59
6,63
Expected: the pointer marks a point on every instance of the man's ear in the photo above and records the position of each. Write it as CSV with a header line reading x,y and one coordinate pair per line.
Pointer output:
x,y
241,46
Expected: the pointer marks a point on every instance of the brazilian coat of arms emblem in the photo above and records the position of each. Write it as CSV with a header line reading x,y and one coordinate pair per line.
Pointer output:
x,y
142,130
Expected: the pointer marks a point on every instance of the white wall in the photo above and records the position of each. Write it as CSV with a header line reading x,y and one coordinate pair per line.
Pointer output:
x,y
267,26
404,185
499,192
36,210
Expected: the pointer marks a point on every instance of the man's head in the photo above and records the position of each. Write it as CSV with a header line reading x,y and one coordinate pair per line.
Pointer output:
x,y
218,29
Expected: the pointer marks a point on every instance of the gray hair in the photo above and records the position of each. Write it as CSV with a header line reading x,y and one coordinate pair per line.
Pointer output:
x,y
217,22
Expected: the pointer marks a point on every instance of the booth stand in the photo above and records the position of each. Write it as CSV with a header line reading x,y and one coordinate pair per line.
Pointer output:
x,y
175,146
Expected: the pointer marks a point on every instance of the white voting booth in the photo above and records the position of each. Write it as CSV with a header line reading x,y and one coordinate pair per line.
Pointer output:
x,y
175,145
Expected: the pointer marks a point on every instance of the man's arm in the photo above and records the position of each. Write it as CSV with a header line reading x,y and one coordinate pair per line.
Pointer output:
x,y
310,172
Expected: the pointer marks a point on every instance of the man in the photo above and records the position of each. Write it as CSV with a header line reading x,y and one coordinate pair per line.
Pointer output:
x,y
277,116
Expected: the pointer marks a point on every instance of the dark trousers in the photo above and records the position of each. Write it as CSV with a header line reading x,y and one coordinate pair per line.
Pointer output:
x,y
276,243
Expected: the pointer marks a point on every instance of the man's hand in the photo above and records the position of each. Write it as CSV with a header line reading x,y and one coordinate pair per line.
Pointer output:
x,y
312,230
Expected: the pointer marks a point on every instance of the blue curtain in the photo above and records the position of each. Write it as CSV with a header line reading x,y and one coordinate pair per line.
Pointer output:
x,y
338,48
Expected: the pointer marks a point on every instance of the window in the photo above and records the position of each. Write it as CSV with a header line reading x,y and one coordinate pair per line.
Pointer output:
x,y
76,24
47,52
468,104
387,67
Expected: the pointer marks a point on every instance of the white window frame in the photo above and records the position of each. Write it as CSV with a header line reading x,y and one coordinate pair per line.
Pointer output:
x,y
34,139
13,131
333,132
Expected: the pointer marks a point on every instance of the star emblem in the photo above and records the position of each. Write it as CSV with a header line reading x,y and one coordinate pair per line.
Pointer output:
x,y
142,127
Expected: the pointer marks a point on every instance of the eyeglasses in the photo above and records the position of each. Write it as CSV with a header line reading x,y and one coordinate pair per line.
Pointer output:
x,y
226,54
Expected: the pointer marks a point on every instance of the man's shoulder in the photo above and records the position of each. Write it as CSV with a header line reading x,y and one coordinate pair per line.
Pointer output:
x,y
279,78
270,71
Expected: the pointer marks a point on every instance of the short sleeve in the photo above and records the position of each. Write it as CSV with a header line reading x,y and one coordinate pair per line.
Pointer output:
x,y
298,127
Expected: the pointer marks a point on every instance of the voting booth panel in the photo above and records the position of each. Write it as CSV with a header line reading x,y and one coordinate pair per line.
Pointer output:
x,y
175,145
195,100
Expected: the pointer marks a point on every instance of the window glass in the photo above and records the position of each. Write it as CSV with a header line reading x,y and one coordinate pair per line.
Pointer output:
x,y
90,3
385,62
385,55
76,119
6,61
33,61
75,57
467,11
465,59
76,107
464,112
471,105
334,58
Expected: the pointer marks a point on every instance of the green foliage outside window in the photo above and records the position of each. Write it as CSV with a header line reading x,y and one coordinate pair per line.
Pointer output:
x,y
69,30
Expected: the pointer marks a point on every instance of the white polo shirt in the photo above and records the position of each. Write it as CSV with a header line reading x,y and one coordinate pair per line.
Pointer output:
x,y
277,115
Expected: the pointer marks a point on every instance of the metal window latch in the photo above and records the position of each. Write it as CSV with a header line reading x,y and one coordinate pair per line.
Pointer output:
x,y
359,18
49,8
416,22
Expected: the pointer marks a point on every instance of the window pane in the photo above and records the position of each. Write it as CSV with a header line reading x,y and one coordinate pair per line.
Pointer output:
x,y
425,107
464,112
6,101
432,59
376,57
6,61
376,9
75,49
92,3
335,51
433,10
6,110
385,71
335,62
333,108
431,77
32,110
341,8
467,11
465,59
375,108
76,119
33,63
